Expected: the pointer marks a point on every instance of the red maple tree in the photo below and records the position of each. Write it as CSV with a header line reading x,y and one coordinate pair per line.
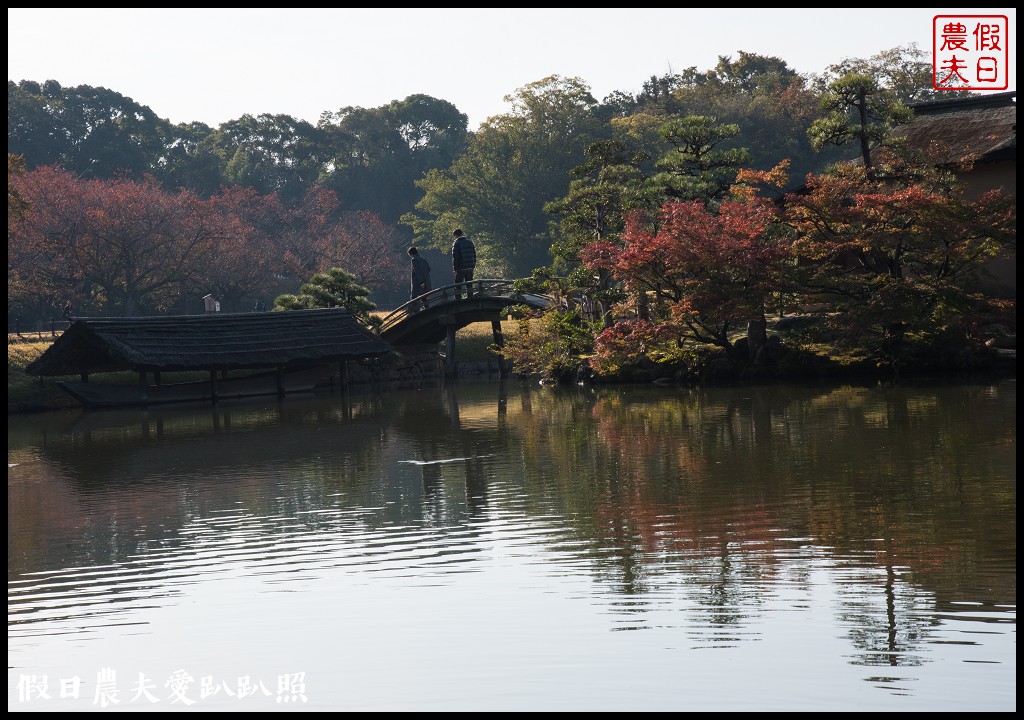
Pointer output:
x,y
696,274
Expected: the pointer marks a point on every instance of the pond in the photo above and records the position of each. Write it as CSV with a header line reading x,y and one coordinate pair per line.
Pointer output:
x,y
503,546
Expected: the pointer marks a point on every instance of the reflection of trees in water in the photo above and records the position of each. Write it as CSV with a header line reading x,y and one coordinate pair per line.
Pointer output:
x,y
442,506
712,473
660,486
638,496
452,454
888,621
120,483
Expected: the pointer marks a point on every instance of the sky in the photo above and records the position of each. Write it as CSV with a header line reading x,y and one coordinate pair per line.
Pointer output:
x,y
215,65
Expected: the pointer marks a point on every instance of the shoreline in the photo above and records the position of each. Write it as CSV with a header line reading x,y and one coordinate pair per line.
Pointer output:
x,y
52,398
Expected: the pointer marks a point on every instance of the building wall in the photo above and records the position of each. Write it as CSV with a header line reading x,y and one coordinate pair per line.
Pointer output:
x,y
989,176
1001,271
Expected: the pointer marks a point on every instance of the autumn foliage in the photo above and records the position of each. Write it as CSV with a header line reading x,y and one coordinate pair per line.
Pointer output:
x,y
122,244
128,247
890,260
696,274
879,262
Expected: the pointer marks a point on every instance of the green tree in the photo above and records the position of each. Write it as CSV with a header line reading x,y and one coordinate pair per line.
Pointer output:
x,y
33,129
752,73
514,164
335,287
378,155
659,95
699,166
605,188
92,132
770,103
271,153
554,346
905,71
192,159
858,109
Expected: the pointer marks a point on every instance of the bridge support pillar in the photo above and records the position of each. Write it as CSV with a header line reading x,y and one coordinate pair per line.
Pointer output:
x,y
449,352
499,340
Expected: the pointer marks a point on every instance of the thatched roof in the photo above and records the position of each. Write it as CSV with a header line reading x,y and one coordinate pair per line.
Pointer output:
x,y
218,341
964,131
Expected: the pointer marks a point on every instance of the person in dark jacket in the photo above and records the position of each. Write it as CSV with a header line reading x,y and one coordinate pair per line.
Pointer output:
x,y
463,262
419,274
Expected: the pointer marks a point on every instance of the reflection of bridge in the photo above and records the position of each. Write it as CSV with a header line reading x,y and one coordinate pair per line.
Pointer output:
x,y
438,314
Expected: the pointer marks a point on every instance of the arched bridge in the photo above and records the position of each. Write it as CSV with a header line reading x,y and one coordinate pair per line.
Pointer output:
x,y
437,315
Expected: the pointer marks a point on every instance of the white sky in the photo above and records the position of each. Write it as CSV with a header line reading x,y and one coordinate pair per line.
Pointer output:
x,y
215,65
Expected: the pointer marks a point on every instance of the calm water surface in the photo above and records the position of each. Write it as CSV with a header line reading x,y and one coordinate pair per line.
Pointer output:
x,y
505,546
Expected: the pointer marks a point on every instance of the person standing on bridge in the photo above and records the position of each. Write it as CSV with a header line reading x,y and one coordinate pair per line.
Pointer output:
x,y
419,275
463,262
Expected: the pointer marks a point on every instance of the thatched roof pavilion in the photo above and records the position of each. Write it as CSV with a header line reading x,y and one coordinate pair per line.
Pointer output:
x,y
965,131
214,342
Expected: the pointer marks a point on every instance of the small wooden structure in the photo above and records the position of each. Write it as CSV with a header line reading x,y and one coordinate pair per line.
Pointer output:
x,y
285,342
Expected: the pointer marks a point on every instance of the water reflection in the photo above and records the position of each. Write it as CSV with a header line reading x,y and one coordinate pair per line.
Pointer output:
x,y
763,529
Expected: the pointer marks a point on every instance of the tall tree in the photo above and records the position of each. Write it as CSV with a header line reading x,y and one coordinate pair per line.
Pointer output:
x,y
905,71
700,164
752,73
858,109
698,275
93,132
193,159
272,153
377,155
770,103
604,189
895,257
514,164
33,129
126,246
